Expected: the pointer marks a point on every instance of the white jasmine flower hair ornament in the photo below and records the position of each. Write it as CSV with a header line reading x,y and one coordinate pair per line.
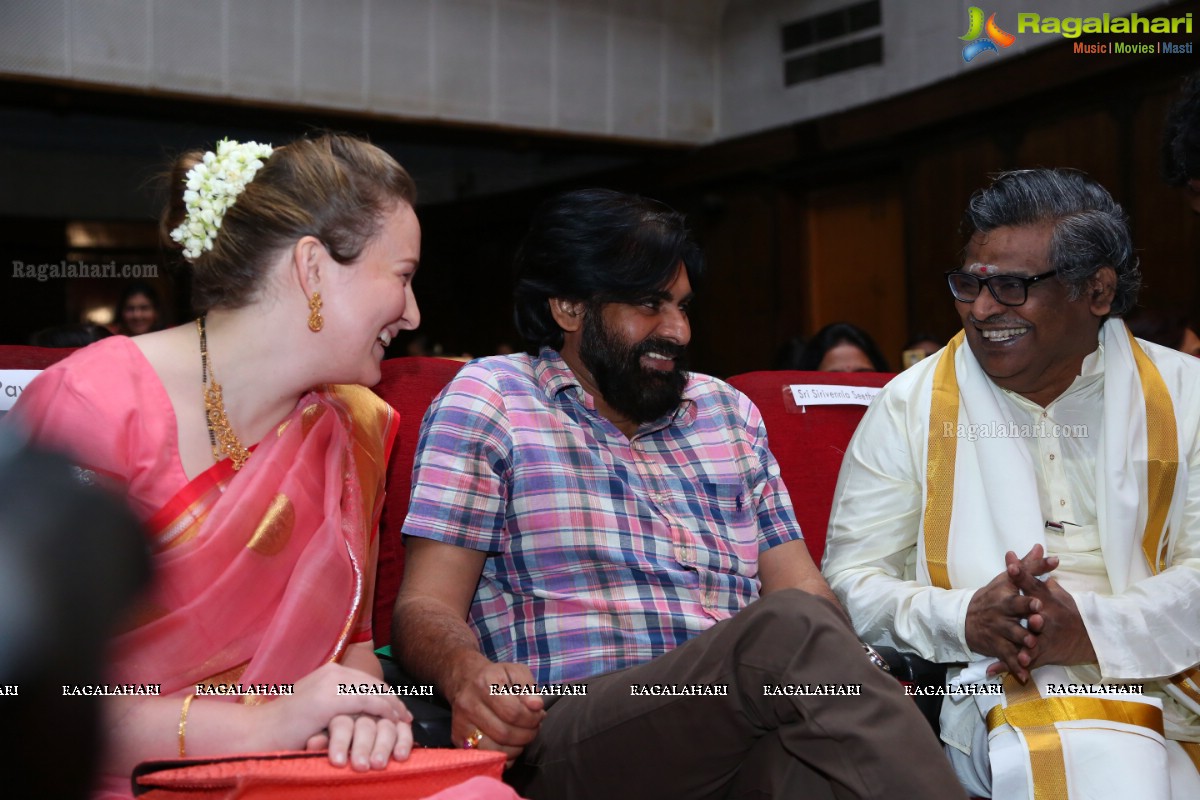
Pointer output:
x,y
212,188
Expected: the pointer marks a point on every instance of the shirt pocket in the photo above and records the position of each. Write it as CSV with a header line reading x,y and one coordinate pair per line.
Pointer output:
x,y
733,533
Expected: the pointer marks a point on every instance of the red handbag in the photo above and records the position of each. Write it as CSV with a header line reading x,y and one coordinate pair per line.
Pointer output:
x,y
308,775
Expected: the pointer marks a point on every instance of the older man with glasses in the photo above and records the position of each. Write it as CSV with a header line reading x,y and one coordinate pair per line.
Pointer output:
x,y
1026,509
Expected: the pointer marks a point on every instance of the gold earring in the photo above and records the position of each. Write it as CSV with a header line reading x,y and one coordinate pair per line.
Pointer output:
x,y
315,320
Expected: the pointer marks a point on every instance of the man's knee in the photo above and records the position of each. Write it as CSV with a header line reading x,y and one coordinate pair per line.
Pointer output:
x,y
791,614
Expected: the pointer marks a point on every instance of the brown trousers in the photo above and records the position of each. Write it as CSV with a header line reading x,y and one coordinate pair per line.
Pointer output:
x,y
616,746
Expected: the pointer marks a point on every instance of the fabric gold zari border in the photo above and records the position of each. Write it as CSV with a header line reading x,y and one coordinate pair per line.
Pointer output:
x,y
1162,471
1035,717
1041,738
939,465
1192,749
1187,681
1162,455
372,425
181,519
1049,710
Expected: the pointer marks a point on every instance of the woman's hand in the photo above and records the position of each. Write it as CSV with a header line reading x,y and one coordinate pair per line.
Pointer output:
x,y
364,730
368,742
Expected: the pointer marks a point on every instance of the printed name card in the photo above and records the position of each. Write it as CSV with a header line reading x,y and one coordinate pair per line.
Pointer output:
x,y
12,383
812,394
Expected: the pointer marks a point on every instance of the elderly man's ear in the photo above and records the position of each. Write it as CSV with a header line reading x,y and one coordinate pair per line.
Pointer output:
x,y
1102,289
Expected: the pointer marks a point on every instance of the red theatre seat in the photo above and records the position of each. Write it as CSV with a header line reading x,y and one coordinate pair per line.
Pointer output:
x,y
409,385
19,356
808,443
809,446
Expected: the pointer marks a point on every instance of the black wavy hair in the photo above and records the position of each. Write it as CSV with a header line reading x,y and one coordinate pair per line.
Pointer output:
x,y
596,246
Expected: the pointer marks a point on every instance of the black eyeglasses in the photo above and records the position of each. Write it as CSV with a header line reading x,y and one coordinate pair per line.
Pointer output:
x,y
1009,290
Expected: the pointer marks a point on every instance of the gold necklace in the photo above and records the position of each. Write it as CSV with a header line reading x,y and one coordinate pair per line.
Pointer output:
x,y
220,433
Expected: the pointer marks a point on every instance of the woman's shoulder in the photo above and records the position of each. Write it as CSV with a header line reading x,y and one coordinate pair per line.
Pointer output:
x,y
103,404
91,371
106,353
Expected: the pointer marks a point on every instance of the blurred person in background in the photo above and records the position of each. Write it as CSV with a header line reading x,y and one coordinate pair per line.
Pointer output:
x,y
919,347
1181,142
138,310
842,347
79,334
1170,329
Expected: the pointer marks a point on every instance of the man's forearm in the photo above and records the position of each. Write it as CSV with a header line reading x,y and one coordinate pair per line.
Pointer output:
x,y
433,643
789,566
815,584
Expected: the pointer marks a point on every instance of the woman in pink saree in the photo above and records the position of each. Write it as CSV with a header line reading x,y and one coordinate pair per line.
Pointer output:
x,y
303,258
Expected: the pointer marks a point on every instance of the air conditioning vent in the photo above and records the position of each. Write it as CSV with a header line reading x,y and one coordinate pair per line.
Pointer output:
x,y
833,42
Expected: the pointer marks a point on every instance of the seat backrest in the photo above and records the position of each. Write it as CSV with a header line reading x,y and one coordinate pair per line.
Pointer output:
x,y
23,358
807,442
409,385
20,356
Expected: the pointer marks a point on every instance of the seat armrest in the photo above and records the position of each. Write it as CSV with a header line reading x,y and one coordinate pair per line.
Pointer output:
x,y
431,715
912,670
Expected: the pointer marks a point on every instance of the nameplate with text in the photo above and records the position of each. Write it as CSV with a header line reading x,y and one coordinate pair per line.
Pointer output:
x,y
12,383
812,394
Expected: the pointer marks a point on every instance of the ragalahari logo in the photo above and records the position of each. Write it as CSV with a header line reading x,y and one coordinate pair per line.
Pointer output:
x,y
978,43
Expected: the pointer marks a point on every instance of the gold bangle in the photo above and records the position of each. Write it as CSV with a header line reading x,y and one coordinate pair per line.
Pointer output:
x,y
187,703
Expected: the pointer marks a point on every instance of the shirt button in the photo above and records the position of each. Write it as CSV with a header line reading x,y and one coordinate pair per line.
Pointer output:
x,y
1062,502
1052,456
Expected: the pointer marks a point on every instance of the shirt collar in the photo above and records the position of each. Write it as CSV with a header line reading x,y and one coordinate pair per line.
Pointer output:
x,y
554,376
1091,370
1091,373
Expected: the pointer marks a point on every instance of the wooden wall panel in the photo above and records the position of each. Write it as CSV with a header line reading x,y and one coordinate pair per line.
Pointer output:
x,y
855,253
938,184
736,307
1088,140
1165,229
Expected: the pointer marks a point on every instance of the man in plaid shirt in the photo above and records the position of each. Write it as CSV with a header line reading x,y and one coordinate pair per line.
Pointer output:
x,y
590,517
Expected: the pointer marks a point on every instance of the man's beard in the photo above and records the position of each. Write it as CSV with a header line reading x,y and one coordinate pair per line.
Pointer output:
x,y
631,390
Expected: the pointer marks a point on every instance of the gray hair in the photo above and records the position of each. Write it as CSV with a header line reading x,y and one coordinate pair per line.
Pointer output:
x,y
1090,228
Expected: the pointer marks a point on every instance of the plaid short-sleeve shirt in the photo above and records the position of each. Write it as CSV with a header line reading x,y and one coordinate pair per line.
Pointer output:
x,y
603,551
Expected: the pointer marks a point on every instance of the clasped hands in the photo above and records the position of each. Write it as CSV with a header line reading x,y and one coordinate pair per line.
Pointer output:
x,y
1053,631
508,722
363,731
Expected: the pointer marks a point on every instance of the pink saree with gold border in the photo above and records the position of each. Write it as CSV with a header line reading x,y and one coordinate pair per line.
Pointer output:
x,y
261,575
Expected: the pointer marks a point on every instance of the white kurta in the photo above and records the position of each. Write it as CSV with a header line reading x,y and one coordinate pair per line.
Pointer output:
x,y
1147,631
